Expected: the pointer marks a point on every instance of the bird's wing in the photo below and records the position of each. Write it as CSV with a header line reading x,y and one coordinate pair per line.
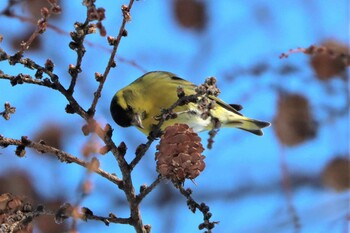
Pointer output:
x,y
169,80
224,105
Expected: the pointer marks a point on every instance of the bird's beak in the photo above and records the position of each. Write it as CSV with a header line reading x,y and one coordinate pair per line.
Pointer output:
x,y
136,121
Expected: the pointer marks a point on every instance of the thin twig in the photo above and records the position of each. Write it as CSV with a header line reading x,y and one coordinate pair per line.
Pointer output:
x,y
287,188
40,28
22,78
314,50
203,208
111,61
148,189
88,43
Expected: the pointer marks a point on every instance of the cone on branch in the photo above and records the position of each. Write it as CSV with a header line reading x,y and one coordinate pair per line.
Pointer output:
x,y
179,154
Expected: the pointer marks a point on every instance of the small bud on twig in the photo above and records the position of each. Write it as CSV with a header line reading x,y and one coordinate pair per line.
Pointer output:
x,y
6,114
98,77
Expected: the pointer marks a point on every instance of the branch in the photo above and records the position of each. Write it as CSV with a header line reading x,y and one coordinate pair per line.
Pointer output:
x,y
25,78
111,61
40,29
67,210
18,213
88,43
193,205
61,155
53,82
314,50
78,37
145,190
287,188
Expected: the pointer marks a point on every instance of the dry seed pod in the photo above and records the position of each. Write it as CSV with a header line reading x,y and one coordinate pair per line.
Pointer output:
x,y
293,123
336,174
329,63
190,14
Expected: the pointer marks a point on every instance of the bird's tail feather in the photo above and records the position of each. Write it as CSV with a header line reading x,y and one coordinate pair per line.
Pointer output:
x,y
250,125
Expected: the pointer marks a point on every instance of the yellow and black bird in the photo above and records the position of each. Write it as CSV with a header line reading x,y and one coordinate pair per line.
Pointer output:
x,y
140,103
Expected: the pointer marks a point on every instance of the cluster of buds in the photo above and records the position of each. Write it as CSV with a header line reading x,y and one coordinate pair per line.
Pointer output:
x,y
179,155
205,103
208,87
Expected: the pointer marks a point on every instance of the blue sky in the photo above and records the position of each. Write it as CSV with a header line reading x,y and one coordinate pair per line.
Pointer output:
x,y
238,35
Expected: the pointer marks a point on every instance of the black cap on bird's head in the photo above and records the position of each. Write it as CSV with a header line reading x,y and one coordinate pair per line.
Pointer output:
x,y
123,114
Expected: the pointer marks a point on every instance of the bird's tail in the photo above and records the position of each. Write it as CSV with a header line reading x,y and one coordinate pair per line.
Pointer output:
x,y
248,124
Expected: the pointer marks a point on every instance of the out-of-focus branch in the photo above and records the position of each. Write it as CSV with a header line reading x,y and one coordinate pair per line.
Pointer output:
x,y
287,187
41,27
314,50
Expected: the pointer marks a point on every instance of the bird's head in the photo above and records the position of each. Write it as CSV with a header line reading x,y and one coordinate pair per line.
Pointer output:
x,y
123,112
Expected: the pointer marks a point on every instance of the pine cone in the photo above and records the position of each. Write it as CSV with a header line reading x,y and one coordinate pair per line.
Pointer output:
x,y
179,155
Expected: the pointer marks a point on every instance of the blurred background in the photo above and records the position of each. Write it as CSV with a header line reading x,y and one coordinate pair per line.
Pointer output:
x,y
293,179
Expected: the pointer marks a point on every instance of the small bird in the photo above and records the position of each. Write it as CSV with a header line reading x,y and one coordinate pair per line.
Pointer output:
x,y
141,102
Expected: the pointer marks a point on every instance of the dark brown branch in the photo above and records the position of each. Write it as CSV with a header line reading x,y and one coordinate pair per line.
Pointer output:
x,y
18,213
110,219
78,37
67,210
111,61
193,205
61,155
145,190
23,78
77,45
126,183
